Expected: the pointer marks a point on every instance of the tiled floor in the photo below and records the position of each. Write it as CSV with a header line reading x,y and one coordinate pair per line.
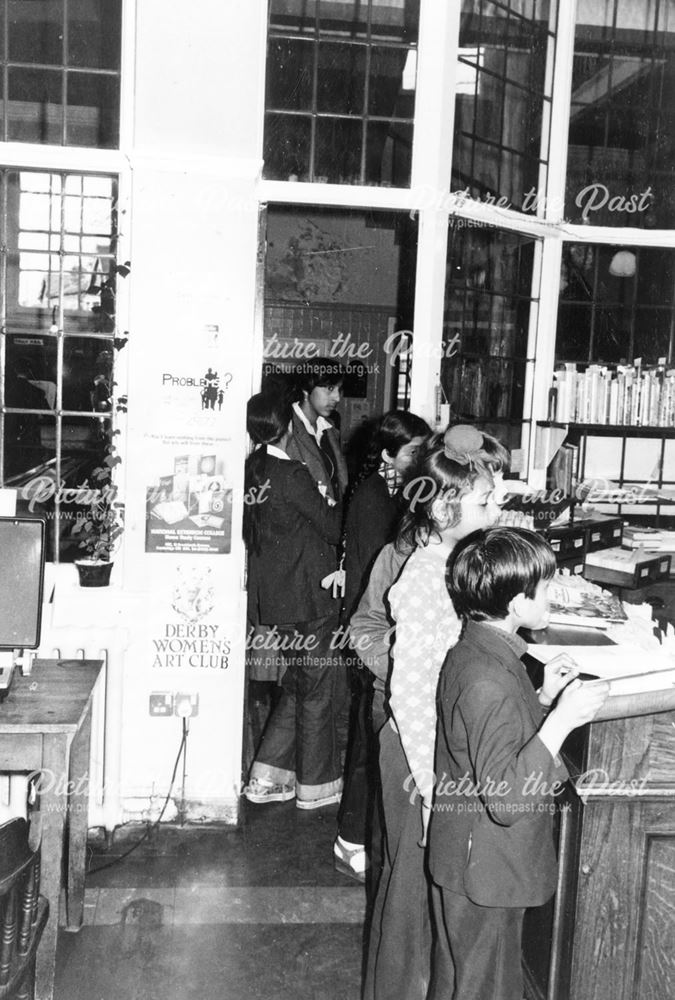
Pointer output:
x,y
208,913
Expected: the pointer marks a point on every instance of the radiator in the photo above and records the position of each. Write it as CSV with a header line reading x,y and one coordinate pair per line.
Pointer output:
x,y
104,763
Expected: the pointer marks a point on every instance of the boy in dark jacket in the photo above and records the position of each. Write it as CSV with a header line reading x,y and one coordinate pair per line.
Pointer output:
x,y
491,851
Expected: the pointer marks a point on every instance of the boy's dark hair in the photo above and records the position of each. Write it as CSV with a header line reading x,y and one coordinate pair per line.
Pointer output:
x,y
488,568
317,372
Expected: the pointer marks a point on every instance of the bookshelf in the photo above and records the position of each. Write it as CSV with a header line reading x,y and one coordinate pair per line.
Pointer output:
x,y
639,497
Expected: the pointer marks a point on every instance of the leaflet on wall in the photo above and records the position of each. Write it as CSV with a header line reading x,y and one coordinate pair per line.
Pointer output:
x,y
188,502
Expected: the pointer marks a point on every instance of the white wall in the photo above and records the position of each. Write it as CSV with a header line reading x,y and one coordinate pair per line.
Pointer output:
x,y
191,228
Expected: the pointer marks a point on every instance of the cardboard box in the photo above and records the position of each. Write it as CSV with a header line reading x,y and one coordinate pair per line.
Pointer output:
x,y
626,567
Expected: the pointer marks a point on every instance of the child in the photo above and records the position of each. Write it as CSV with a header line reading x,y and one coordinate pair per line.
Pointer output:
x,y
373,512
491,850
316,440
449,496
291,536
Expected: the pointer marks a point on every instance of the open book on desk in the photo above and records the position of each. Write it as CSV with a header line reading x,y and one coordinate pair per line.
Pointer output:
x,y
641,681
582,606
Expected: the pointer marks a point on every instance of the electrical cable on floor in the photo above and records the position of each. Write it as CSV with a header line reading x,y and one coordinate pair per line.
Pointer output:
x,y
151,826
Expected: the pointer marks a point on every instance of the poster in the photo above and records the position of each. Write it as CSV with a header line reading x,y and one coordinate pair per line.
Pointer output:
x,y
188,502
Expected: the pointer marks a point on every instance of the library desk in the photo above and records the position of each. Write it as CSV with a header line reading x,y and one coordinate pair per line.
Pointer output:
x,y
609,931
45,726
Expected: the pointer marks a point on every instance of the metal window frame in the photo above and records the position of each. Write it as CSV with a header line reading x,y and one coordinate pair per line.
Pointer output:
x,y
429,197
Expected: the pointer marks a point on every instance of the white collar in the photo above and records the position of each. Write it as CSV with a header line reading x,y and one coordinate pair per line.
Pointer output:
x,y
277,452
321,423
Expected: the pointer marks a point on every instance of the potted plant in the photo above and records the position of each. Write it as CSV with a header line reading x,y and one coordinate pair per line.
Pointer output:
x,y
101,525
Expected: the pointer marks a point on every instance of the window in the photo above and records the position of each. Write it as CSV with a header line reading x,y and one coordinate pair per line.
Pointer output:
x,y
61,71
562,137
57,297
340,91
620,167
501,95
488,307
616,305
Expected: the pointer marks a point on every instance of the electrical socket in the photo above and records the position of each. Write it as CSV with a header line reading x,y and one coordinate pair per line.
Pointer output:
x,y
161,703
186,705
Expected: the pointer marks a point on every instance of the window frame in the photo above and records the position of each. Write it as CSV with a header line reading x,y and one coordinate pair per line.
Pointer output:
x,y
110,162
438,45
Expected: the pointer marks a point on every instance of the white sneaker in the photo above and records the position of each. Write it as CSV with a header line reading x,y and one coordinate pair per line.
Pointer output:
x,y
258,790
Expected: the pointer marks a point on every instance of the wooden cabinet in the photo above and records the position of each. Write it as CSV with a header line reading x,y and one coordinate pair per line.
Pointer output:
x,y
609,934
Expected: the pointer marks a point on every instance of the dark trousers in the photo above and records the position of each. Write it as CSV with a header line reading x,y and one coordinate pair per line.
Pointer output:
x,y
399,947
300,743
483,946
360,775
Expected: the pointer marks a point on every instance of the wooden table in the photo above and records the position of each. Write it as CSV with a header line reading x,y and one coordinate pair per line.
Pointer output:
x,y
45,726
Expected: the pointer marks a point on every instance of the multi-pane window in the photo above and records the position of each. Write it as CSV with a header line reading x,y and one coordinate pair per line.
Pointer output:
x,y
616,304
340,91
501,93
60,80
488,310
620,166
57,297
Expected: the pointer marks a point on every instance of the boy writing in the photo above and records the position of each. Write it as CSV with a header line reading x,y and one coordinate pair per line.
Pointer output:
x,y
491,851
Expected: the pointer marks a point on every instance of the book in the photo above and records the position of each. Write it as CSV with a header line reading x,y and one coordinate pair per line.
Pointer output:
x,y
640,533
621,559
585,608
638,536
640,681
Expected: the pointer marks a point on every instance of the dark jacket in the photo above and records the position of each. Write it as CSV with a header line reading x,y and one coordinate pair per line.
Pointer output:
x,y
497,847
370,523
303,448
300,531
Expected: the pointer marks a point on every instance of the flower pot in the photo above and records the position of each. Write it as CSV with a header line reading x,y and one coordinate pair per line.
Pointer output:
x,y
93,574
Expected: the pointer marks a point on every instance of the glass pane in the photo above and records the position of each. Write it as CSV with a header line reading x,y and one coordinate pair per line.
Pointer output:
x,y
288,81
338,151
573,337
348,17
500,94
94,33
34,113
87,374
341,78
389,95
612,336
653,335
620,161
92,114
35,31
294,15
340,67
616,304
287,147
487,315
388,153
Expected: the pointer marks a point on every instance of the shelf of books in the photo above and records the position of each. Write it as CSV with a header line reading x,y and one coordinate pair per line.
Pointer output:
x,y
634,395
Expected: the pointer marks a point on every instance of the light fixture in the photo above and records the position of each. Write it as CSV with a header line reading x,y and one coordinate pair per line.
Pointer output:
x,y
622,264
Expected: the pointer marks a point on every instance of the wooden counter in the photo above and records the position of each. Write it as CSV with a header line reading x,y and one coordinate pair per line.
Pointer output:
x,y
609,933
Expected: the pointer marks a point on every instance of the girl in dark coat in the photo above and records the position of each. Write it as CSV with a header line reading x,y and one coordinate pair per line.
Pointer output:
x,y
291,533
